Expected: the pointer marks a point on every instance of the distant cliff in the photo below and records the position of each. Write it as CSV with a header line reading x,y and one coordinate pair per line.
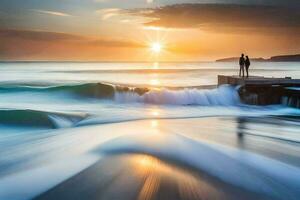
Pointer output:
x,y
281,58
286,58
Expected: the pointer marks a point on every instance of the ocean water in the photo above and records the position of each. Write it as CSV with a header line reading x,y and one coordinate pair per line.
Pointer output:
x,y
59,121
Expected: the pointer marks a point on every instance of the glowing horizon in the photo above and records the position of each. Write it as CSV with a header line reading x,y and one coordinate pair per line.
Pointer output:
x,y
176,31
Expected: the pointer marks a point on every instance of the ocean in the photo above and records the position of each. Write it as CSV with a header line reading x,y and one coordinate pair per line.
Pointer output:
x,y
75,130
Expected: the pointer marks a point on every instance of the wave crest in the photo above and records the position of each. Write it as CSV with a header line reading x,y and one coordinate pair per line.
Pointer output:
x,y
224,95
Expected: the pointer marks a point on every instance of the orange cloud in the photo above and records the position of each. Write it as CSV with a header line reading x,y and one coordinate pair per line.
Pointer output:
x,y
230,18
41,45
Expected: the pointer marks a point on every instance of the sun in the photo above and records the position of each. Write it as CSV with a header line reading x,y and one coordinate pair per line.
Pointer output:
x,y
156,47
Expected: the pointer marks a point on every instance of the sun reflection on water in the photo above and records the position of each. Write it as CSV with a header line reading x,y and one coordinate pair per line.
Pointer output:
x,y
155,174
154,82
154,123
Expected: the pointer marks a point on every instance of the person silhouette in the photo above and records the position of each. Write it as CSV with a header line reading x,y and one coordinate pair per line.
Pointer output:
x,y
242,65
247,65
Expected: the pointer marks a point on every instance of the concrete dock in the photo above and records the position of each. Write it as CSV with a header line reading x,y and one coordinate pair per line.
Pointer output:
x,y
257,80
259,90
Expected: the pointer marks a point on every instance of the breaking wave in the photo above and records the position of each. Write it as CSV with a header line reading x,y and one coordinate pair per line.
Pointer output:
x,y
224,95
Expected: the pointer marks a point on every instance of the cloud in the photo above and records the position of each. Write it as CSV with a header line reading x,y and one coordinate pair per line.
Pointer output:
x,y
224,17
116,43
32,45
108,13
55,13
37,35
44,36
263,2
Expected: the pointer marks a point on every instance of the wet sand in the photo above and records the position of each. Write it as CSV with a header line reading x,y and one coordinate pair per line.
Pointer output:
x,y
144,177
140,170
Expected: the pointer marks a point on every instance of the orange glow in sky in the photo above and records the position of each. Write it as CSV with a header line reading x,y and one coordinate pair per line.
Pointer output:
x,y
150,31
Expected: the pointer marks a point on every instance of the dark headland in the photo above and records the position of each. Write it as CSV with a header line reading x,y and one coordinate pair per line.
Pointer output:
x,y
280,58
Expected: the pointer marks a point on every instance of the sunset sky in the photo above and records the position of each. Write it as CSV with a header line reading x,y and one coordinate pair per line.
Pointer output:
x,y
119,30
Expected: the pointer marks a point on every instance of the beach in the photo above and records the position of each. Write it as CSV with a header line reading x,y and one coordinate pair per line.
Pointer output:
x,y
142,131
159,159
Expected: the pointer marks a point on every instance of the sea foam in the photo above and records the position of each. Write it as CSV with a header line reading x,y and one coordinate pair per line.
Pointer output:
x,y
224,95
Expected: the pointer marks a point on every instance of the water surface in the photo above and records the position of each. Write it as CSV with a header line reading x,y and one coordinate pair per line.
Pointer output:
x,y
147,130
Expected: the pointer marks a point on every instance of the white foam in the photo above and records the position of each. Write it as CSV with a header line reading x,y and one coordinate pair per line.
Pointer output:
x,y
224,95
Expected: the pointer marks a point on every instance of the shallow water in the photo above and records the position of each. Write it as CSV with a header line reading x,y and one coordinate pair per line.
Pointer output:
x,y
60,119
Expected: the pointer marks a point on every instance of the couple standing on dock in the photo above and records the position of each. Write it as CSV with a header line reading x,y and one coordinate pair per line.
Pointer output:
x,y
244,63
